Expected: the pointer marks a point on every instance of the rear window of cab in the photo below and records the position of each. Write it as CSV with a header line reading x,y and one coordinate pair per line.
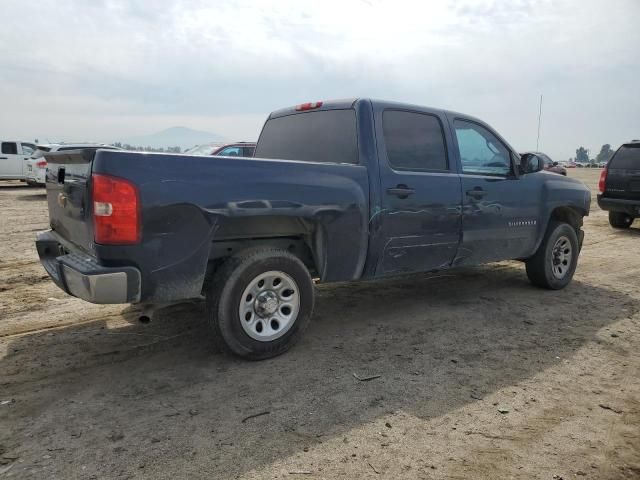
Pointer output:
x,y
627,158
326,136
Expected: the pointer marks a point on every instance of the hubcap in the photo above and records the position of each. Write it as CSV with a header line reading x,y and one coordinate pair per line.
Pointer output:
x,y
561,257
269,306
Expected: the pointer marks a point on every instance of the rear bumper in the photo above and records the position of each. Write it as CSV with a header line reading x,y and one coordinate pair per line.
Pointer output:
x,y
80,275
631,207
37,175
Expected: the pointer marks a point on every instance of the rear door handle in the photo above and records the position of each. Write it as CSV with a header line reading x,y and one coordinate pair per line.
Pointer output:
x,y
3,158
476,193
401,191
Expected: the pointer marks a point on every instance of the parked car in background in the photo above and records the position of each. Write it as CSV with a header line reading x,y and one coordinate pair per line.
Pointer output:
x,y
570,165
36,166
340,190
239,149
549,164
13,155
620,186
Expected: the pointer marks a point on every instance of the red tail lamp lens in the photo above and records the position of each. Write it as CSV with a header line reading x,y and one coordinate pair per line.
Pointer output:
x,y
116,212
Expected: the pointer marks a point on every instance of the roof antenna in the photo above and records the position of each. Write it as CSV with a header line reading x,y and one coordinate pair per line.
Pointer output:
x,y
539,121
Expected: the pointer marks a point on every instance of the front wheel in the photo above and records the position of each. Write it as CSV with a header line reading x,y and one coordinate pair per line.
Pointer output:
x,y
555,261
620,220
260,302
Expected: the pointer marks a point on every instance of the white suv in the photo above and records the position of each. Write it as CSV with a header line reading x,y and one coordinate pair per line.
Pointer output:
x,y
36,166
13,155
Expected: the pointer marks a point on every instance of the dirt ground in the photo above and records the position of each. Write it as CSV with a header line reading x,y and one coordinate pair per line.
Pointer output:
x,y
88,392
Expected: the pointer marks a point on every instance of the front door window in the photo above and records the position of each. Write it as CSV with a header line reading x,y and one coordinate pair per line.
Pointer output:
x,y
481,153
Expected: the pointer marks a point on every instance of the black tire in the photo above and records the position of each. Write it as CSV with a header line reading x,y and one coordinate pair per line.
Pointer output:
x,y
620,220
226,292
540,267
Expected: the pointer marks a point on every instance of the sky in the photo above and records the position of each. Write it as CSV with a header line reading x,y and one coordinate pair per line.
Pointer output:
x,y
104,70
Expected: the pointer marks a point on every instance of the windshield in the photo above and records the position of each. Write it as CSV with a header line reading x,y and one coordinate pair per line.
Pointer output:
x,y
40,152
627,158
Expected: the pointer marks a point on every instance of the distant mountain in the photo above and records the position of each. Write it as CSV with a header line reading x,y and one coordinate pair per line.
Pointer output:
x,y
182,137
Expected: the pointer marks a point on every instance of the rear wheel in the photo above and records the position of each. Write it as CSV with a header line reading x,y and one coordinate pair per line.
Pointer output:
x,y
260,302
620,220
555,261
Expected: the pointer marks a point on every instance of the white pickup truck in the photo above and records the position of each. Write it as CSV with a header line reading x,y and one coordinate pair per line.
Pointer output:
x,y
13,156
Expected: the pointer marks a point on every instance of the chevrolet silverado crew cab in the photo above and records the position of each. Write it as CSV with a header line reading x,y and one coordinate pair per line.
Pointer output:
x,y
337,191
620,186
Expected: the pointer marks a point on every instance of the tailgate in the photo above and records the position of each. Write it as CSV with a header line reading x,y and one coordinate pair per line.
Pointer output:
x,y
68,196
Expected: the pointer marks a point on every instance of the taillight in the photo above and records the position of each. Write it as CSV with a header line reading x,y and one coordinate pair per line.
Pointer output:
x,y
603,180
308,106
41,164
116,211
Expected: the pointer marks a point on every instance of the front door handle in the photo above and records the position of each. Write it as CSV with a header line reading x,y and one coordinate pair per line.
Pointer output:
x,y
401,191
476,193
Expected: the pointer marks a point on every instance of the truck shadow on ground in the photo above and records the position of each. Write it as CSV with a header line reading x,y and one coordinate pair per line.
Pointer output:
x,y
32,198
633,231
15,186
156,398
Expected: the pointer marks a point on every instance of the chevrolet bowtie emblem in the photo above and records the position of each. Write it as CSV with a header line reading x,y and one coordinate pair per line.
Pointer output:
x,y
62,200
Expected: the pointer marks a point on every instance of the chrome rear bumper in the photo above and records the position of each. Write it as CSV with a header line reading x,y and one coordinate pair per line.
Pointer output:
x,y
80,275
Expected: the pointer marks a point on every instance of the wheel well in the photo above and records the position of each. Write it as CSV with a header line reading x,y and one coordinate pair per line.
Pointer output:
x,y
297,245
297,235
569,215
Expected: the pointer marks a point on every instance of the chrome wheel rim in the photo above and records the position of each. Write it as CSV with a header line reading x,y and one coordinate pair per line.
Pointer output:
x,y
561,256
269,306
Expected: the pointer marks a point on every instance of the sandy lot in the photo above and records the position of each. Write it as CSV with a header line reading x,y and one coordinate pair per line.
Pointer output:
x,y
87,392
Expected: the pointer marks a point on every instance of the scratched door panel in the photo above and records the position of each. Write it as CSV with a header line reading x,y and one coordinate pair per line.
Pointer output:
x,y
421,197
503,224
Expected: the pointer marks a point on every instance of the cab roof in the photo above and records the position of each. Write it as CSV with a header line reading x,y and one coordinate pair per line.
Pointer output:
x,y
345,103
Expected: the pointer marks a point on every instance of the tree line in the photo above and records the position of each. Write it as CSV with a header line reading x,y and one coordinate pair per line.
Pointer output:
x,y
139,148
582,155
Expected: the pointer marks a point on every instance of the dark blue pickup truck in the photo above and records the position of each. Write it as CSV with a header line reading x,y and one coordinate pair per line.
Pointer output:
x,y
338,191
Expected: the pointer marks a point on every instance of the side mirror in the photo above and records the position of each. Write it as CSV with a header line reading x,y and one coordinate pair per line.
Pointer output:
x,y
531,164
555,164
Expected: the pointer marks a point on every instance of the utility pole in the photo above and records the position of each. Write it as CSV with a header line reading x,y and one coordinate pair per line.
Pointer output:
x,y
539,121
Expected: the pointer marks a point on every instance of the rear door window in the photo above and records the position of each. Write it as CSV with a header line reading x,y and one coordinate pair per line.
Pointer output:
x,y
328,136
9,148
627,158
248,151
414,141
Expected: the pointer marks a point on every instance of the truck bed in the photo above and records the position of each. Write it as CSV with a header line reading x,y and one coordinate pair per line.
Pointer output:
x,y
190,203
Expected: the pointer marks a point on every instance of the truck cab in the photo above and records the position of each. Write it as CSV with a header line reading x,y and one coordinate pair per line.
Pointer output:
x,y
13,157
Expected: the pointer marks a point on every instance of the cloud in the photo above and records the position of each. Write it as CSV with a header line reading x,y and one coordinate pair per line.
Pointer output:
x,y
110,68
